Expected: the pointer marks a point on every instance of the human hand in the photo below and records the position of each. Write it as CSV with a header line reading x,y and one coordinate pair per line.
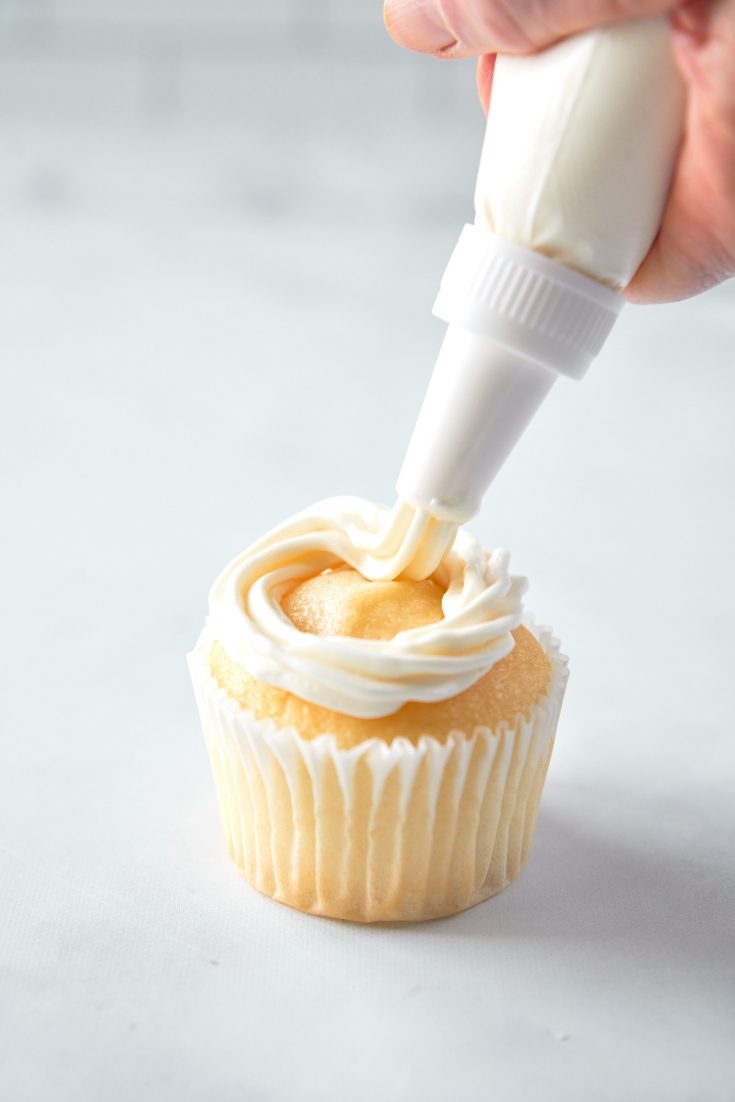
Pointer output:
x,y
695,247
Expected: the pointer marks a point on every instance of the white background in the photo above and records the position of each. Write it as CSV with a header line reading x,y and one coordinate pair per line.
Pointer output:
x,y
221,230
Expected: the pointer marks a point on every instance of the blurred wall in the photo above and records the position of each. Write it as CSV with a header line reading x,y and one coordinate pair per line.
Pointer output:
x,y
236,59
255,109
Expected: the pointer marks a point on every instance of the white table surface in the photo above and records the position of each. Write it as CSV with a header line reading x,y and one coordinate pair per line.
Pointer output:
x,y
189,354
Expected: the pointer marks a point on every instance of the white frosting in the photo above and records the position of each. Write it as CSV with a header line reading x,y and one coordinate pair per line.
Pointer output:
x,y
579,148
367,677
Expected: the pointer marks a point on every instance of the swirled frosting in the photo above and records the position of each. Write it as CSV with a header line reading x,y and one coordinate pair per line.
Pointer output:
x,y
367,677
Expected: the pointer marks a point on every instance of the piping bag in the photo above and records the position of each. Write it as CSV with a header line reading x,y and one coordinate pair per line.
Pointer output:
x,y
579,150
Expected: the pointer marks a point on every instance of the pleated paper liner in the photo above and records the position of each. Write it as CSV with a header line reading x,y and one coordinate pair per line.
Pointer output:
x,y
381,832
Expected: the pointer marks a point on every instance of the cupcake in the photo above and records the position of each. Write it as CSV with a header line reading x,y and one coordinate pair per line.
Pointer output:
x,y
378,712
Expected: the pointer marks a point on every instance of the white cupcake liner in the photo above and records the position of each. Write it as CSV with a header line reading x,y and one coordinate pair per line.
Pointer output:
x,y
380,832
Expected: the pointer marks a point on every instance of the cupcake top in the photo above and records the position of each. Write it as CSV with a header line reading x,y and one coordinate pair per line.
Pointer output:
x,y
329,643
341,602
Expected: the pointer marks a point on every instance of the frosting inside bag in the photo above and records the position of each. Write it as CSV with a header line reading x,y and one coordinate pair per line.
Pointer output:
x,y
580,145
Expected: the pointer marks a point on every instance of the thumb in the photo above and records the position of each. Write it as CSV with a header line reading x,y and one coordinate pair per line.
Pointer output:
x,y
465,28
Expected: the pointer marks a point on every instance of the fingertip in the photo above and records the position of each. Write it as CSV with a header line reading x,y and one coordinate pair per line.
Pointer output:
x,y
649,284
419,25
389,22
484,74
663,277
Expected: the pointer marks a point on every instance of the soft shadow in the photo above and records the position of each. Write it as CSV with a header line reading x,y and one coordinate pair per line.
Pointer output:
x,y
580,887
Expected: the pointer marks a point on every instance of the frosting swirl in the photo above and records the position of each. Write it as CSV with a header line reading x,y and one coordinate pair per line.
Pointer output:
x,y
367,677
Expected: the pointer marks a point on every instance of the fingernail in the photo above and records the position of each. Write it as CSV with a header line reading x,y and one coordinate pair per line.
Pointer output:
x,y
418,25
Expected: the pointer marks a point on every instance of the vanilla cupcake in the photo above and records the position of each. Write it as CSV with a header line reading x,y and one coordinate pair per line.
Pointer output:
x,y
378,719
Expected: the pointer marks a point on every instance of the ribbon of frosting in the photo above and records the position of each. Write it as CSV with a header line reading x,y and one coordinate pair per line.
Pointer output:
x,y
367,677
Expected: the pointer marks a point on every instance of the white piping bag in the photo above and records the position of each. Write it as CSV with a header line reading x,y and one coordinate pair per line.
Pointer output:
x,y
579,149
